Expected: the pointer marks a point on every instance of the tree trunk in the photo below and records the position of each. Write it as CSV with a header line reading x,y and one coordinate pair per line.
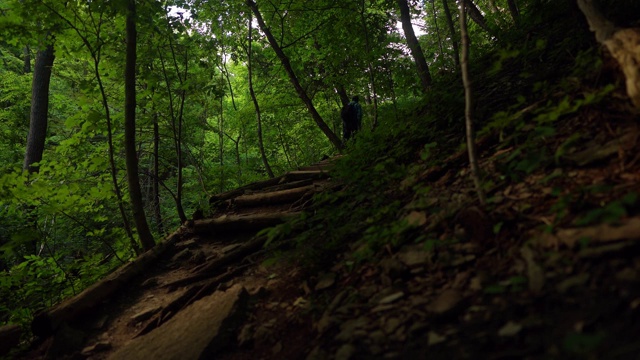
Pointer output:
x,y
156,173
256,105
435,21
466,79
452,31
39,109
476,15
414,46
344,97
26,58
372,77
146,239
335,140
513,9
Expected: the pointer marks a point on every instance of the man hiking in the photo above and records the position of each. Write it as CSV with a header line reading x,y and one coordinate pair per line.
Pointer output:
x,y
351,118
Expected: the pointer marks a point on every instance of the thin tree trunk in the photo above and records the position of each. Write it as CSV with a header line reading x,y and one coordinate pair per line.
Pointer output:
x,y
476,16
513,9
146,239
26,58
39,109
466,79
414,46
372,77
335,140
452,31
156,174
255,103
221,142
435,21
344,97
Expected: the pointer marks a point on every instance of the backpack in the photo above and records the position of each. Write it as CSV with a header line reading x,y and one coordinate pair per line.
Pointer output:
x,y
349,114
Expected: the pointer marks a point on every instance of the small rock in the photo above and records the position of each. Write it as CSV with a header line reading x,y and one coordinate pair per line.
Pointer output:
x,y
345,352
391,298
326,281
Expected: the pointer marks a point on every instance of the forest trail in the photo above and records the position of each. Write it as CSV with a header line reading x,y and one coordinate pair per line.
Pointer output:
x,y
509,284
188,297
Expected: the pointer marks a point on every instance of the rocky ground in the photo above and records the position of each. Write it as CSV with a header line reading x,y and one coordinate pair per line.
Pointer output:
x,y
551,271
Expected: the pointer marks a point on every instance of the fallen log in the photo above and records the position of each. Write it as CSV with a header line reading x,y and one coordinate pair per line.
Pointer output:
x,y
253,222
274,197
289,185
241,190
308,174
47,322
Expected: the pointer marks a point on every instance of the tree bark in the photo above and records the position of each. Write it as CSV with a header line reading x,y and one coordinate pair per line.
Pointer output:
x,y
372,76
39,109
255,103
476,15
414,46
156,173
513,9
452,31
26,58
435,21
335,140
131,156
466,79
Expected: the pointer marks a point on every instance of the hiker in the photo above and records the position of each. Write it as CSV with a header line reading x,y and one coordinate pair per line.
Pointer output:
x,y
351,118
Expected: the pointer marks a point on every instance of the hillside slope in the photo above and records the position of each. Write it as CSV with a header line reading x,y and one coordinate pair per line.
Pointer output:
x,y
394,258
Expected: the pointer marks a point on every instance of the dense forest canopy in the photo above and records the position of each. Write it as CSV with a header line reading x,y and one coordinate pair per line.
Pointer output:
x,y
225,93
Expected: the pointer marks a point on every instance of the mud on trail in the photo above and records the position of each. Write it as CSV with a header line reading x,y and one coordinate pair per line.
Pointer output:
x,y
550,272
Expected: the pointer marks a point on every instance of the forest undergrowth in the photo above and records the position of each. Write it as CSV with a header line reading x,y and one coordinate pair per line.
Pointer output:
x,y
558,149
